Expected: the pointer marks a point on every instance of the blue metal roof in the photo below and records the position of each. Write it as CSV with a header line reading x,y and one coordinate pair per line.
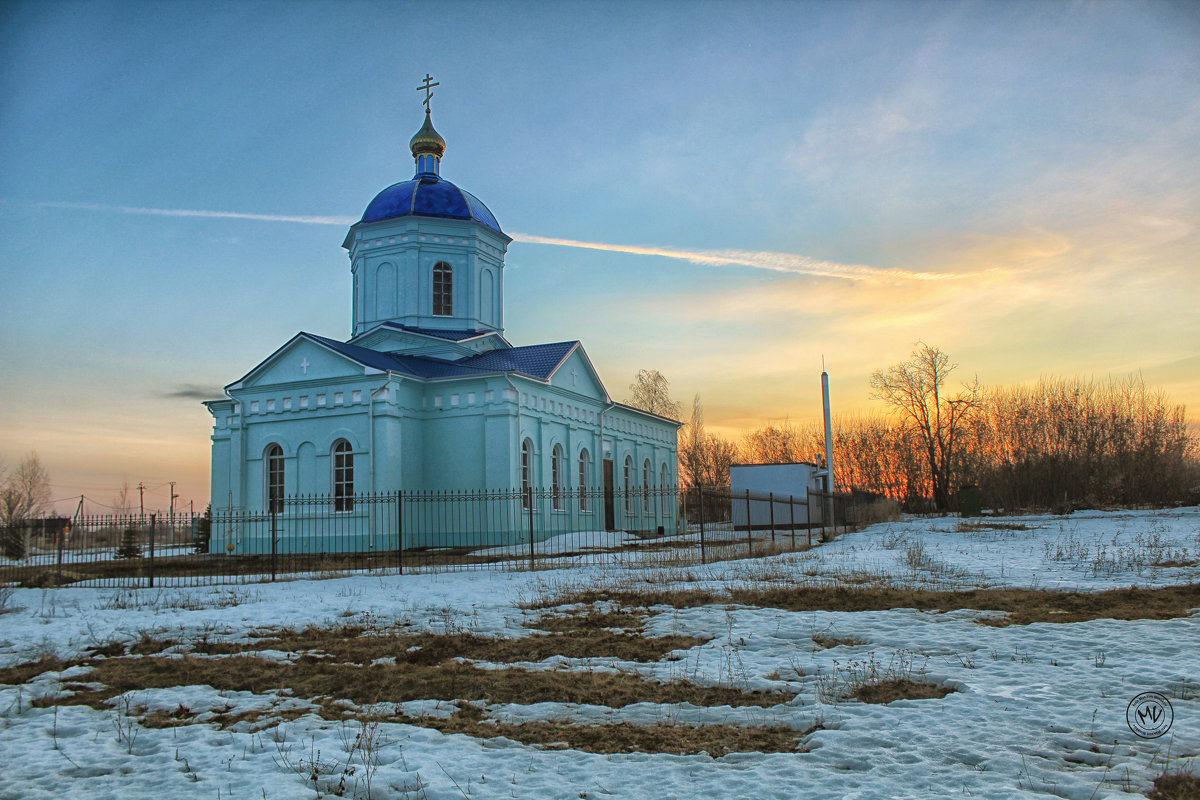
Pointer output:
x,y
536,361
452,335
428,196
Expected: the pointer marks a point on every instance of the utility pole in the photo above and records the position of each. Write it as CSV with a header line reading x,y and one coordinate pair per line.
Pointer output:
x,y
141,502
173,496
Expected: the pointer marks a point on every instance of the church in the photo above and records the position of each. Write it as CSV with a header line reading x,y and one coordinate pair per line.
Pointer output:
x,y
427,394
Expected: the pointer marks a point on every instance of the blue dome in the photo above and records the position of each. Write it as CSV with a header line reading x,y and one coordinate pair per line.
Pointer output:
x,y
428,196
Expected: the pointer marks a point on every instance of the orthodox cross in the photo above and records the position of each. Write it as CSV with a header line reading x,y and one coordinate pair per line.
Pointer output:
x,y
304,366
428,86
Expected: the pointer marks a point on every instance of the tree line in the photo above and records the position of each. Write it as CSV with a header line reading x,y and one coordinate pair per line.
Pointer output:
x,y
1058,444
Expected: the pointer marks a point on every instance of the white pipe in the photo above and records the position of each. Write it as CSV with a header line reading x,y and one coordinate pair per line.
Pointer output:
x,y
829,486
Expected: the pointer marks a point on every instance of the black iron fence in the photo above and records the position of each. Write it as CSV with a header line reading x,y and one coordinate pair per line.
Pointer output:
x,y
418,530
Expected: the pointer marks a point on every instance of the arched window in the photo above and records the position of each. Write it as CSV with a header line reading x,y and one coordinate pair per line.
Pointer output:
x,y
558,471
628,484
273,473
662,487
527,474
443,290
585,477
343,476
646,486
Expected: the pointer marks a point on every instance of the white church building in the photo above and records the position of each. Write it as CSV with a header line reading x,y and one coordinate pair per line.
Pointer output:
x,y
427,395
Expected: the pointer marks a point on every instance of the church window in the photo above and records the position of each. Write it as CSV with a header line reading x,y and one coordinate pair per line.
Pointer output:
x,y
437,401
343,476
489,396
338,398
320,400
662,486
356,397
470,398
253,406
585,474
443,290
273,463
527,474
628,484
558,469
454,399
646,486
287,404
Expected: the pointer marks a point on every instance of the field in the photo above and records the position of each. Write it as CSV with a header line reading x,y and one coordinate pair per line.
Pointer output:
x,y
994,657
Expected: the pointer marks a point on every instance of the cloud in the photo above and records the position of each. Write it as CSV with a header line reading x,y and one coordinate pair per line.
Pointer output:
x,y
193,391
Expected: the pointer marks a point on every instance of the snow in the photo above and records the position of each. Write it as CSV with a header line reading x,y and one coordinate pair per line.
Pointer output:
x,y
1038,711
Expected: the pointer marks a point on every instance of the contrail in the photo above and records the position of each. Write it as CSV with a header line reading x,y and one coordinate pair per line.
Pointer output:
x,y
758,259
185,212
755,259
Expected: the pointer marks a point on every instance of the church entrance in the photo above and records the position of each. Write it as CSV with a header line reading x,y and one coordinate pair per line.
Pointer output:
x,y
610,521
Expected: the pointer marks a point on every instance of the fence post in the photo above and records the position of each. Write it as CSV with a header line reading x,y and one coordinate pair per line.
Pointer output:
x,y
150,563
771,495
703,556
749,527
400,530
792,519
61,536
529,502
808,513
274,545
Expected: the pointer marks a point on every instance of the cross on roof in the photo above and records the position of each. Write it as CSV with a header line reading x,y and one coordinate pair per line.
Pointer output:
x,y
428,87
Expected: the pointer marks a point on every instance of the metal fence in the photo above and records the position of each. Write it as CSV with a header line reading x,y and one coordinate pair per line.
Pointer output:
x,y
418,530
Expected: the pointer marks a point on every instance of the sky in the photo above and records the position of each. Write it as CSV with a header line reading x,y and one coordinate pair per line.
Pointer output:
x,y
730,193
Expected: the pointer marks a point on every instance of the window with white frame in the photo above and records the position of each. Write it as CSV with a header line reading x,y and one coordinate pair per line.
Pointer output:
x,y
585,477
628,484
646,486
443,290
527,474
273,478
558,471
343,476
662,487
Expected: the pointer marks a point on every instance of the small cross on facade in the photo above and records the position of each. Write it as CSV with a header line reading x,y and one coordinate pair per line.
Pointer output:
x,y
428,87
304,366
574,376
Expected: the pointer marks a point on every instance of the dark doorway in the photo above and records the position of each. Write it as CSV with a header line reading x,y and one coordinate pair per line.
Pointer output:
x,y
610,517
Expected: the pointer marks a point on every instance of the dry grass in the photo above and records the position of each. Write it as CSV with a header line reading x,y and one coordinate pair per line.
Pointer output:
x,y
23,673
900,689
315,678
1176,786
1023,606
826,641
974,527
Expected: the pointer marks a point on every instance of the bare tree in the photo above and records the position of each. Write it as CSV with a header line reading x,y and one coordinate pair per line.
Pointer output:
x,y
914,387
704,458
651,392
122,502
24,492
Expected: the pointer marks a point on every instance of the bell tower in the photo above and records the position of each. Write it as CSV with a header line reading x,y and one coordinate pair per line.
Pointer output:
x,y
427,254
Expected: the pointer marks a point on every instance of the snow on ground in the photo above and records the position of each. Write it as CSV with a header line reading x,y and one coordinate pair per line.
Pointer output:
x,y
1036,713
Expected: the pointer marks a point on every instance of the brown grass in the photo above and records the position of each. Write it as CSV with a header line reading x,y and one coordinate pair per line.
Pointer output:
x,y
1023,606
973,527
315,678
900,689
23,673
356,644
1176,786
825,641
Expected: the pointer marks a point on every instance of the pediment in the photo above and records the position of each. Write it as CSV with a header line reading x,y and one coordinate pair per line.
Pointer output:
x,y
576,374
302,360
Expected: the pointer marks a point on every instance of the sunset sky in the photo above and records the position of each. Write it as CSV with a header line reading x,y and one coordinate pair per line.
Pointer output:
x,y
726,192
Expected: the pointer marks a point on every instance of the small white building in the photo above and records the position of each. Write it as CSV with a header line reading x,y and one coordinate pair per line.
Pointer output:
x,y
771,495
